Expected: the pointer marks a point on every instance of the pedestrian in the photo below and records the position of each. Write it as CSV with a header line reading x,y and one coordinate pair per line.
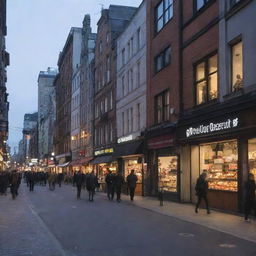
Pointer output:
x,y
201,191
118,183
31,176
59,178
15,181
51,181
250,203
79,181
110,184
131,183
91,184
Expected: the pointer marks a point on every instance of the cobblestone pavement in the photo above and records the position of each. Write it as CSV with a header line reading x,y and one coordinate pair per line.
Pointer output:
x,y
53,223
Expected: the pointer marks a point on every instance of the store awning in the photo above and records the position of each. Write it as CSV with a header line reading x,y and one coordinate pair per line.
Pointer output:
x,y
102,159
131,148
64,165
81,161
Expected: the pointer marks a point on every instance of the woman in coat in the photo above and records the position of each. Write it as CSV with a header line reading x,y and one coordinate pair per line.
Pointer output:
x,y
91,183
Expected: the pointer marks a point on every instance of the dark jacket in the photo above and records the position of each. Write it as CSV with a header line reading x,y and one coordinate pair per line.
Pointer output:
x,y
131,180
201,186
109,179
91,182
79,179
250,188
118,181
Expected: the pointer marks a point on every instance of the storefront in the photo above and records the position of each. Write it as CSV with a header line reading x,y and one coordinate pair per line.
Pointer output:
x,y
163,167
224,146
103,161
82,164
130,157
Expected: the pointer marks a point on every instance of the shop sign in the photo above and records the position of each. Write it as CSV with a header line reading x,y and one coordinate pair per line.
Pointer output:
x,y
212,127
103,151
125,138
161,142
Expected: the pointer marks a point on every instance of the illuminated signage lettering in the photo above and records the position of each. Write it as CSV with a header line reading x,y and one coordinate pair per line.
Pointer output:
x,y
125,139
103,151
212,127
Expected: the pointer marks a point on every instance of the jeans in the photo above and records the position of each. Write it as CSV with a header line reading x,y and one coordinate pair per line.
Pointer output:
x,y
200,197
132,192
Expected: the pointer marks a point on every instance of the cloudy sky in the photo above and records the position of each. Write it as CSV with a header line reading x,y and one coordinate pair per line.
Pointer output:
x,y
37,31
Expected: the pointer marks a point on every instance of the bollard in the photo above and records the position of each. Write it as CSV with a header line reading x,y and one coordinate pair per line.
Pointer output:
x,y
161,198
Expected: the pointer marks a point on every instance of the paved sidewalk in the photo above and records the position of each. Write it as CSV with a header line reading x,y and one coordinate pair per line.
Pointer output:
x,y
22,232
227,223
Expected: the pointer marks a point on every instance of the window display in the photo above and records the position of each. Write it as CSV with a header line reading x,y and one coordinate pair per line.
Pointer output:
x,y
103,170
220,160
167,173
252,156
132,164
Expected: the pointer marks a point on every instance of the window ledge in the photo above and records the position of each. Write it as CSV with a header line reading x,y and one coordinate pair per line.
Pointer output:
x,y
235,94
205,105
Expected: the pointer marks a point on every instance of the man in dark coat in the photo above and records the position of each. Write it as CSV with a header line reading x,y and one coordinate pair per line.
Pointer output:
x,y
110,185
131,182
201,191
31,180
250,203
15,181
59,178
118,183
91,184
79,181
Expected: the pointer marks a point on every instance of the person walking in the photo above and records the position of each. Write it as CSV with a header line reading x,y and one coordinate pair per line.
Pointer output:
x,y
110,184
131,183
250,203
79,181
91,184
15,181
52,180
118,183
201,191
31,176
59,178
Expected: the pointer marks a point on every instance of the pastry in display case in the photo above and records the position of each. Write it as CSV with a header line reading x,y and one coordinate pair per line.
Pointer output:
x,y
167,173
252,161
220,161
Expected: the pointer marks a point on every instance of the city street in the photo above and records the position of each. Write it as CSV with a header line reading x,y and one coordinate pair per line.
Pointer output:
x,y
54,223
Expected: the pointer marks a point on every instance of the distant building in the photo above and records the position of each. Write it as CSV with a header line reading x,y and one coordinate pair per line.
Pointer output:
x,y
46,111
68,62
111,24
131,95
4,104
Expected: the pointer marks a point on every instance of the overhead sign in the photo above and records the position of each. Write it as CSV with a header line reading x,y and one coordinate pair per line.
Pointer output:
x,y
103,151
212,127
125,138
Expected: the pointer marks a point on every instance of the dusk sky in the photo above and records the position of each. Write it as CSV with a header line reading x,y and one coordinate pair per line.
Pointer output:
x,y
37,31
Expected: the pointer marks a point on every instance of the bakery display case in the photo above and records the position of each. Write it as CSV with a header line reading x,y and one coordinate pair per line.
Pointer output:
x,y
132,164
220,161
252,157
167,173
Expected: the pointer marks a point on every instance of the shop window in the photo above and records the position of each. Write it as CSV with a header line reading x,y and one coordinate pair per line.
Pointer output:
x,y
133,164
237,66
200,3
164,12
220,161
167,173
163,59
162,107
207,80
252,156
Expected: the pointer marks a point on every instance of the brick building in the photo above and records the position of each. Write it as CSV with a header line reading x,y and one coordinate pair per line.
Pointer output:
x,y
111,24
4,104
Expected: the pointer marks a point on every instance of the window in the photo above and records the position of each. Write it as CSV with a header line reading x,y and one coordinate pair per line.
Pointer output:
x,y
123,85
128,121
106,134
108,69
123,57
128,81
132,47
131,111
106,104
138,116
162,106
237,66
207,80
123,122
111,100
138,39
164,12
131,78
200,3
163,59
138,74
108,37
100,47
129,51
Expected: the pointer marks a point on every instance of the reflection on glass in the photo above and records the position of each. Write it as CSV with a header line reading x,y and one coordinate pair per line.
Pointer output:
x,y
237,66
200,71
213,86
213,64
201,92
167,173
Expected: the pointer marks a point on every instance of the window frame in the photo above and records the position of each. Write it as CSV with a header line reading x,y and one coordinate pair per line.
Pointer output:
x,y
163,15
162,55
164,107
206,2
205,60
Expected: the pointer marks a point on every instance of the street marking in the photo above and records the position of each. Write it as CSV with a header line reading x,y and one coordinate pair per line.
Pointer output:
x,y
186,235
227,246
